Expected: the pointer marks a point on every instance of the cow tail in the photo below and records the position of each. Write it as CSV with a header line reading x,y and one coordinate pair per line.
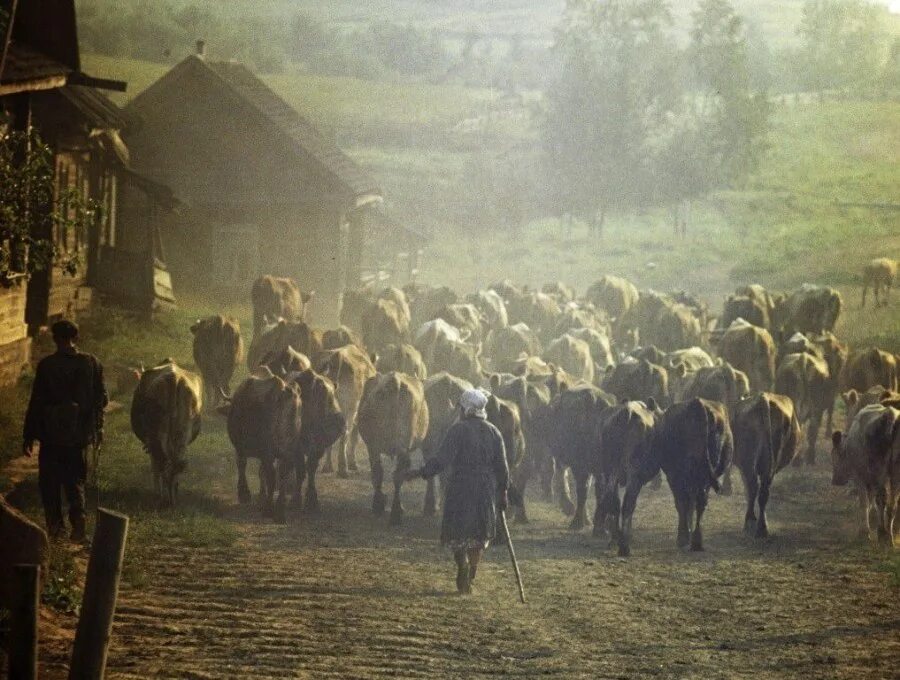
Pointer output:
x,y
713,447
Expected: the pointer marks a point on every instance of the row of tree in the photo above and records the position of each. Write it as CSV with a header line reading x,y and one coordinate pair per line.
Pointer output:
x,y
632,119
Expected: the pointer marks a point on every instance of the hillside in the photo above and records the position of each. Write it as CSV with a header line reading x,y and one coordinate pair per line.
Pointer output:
x,y
784,228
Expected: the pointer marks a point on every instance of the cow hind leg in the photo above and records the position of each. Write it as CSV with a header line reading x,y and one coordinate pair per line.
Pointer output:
x,y
378,500
812,433
285,467
697,533
243,489
352,444
267,481
751,486
601,491
400,469
865,527
629,503
328,459
429,509
548,472
682,507
312,493
561,487
580,520
881,515
521,477
762,527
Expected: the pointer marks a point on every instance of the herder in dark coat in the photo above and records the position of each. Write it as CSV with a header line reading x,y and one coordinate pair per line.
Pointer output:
x,y
65,414
474,455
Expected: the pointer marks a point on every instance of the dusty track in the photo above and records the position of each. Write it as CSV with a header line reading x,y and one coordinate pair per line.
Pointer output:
x,y
345,596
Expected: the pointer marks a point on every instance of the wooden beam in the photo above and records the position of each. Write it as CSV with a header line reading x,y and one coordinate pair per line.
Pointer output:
x,y
48,83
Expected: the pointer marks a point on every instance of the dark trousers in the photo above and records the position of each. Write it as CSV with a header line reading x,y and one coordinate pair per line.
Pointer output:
x,y
62,469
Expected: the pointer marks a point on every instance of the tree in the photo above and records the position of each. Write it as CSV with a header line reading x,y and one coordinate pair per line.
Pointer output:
x,y
843,45
617,81
736,119
30,203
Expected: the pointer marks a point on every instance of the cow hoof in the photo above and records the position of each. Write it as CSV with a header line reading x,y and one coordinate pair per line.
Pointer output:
x,y
762,532
429,511
311,507
244,496
696,543
599,531
624,550
279,515
567,507
577,524
396,518
343,474
378,504
682,540
749,526
521,518
352,467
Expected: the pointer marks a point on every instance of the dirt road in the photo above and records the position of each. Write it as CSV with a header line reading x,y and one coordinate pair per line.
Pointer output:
x,y
343,595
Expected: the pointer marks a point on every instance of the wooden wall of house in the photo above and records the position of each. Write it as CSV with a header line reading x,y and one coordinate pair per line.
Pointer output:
x,y
15,345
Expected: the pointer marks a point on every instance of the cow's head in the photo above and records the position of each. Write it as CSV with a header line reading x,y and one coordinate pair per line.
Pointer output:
x,y
840,464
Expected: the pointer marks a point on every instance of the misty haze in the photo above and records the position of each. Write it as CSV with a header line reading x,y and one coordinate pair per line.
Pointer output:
x,y
449,339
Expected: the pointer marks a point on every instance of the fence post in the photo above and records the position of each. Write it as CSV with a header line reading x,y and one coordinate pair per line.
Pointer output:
x,y
23,630
99,603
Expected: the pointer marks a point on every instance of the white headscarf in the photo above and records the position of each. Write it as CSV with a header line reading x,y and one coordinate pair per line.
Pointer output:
x,y
473,402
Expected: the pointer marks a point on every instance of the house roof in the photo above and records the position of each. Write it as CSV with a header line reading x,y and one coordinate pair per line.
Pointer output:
x,y
26,65
97,109
275,114
306,137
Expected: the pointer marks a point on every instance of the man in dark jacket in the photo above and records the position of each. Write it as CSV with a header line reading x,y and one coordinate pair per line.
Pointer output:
x,y
65,414
474,455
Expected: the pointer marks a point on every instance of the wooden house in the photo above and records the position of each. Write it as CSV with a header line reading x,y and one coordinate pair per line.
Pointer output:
x,y
42,88
265,192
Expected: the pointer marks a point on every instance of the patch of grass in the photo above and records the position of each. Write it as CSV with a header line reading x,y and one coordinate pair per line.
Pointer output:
x,y
892,567
62,587
14,401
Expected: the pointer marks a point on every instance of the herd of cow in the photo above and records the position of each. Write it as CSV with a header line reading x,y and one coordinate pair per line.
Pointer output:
x,y
616,385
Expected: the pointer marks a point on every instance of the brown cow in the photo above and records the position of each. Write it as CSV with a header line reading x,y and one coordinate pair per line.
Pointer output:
x,y
574,435
693,446
559,291
623,459
659,321
599,344
867,368
321,426
278,337
508,344
426,301
766,438
613,294
165,417
828,348
747,308
869,455
218,348
879,275
402,358
533,402
465,317
335,338
384,323
276,298
573,356
855,401
393,421
750,349
637,380
354,303
492,308
349,368
264,421
811,309
804,378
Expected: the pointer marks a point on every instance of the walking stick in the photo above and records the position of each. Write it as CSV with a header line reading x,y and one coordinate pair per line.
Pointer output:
x,y
512,556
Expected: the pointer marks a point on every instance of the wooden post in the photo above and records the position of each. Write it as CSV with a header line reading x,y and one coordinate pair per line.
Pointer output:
x,y
100,590
23,630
